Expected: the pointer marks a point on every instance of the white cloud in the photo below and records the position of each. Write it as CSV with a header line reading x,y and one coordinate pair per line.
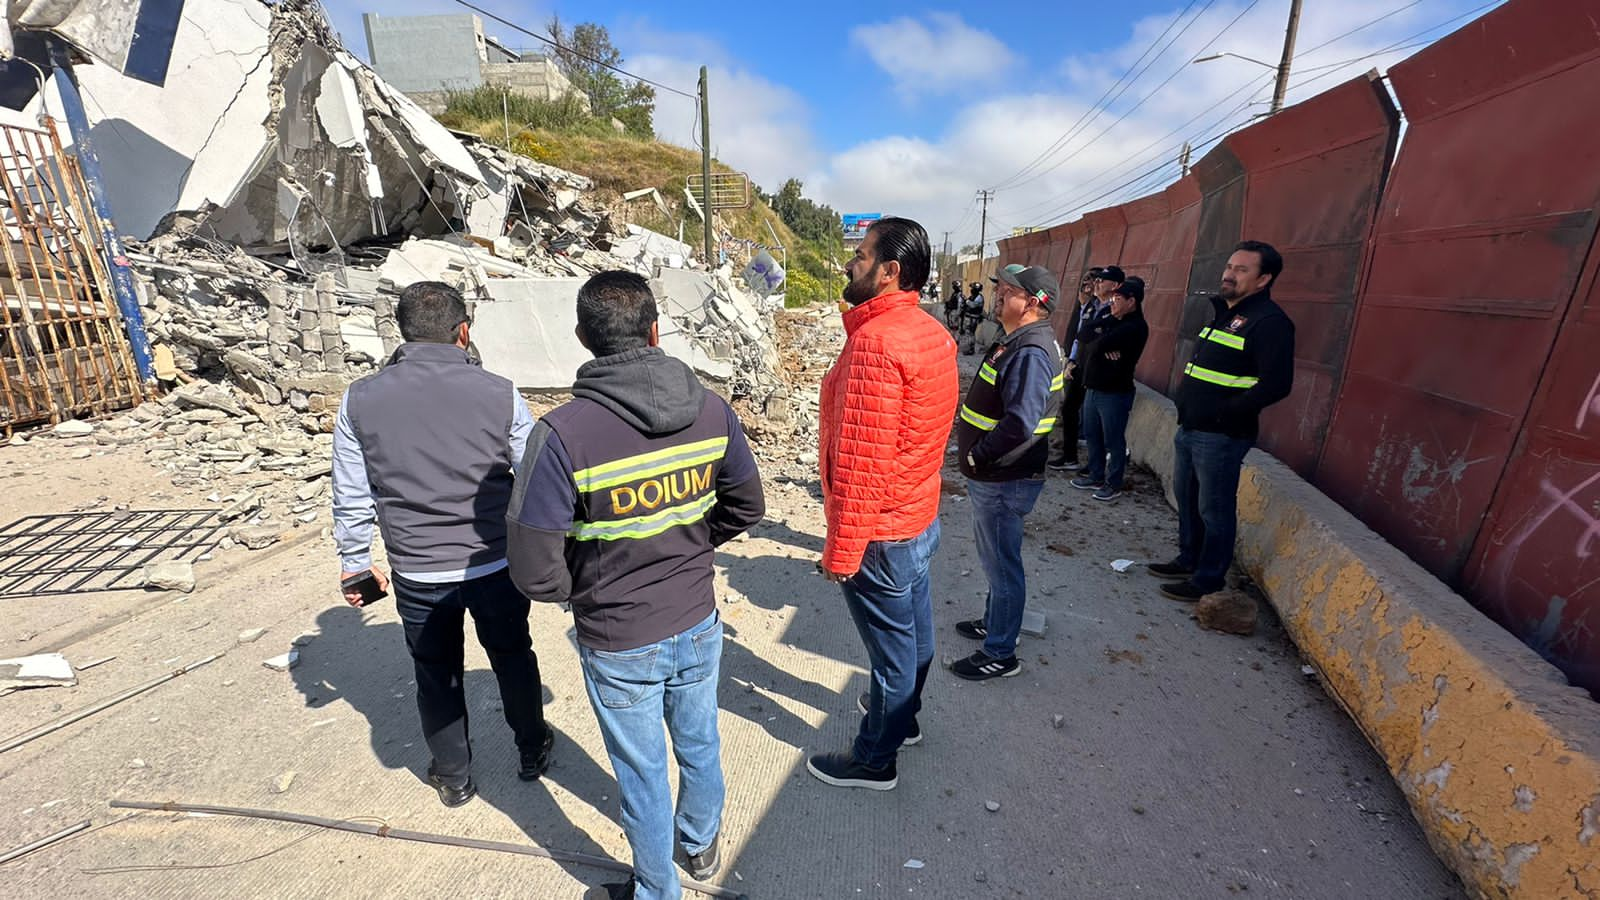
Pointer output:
x,y
940,55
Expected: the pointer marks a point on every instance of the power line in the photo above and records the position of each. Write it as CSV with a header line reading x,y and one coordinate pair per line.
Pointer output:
x,y
1065,159
539,37
1084,119
1363,27
1405,43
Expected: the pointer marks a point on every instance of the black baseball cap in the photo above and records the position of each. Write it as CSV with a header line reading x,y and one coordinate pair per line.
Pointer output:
x,y
1035,281
1109,273
1132,288
1013,268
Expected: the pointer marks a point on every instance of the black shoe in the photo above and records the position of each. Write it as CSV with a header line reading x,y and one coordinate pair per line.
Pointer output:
x,y
1085,483
705,864
449,795
981,667
1107,493
973,628
618,891
1064,465
1173,570
1183,590
536,761
841,770
915,737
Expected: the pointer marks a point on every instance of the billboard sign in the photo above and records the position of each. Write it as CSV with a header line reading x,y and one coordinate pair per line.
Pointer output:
x,y
856,225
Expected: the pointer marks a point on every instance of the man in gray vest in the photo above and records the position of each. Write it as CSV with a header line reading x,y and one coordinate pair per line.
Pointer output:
x,y
426,447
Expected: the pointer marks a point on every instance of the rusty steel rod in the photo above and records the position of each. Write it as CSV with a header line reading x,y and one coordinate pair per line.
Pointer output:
x,y
424,837
88,711
43,842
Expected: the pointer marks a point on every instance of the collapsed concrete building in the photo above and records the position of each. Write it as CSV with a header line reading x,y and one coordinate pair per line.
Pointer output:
x,y
277,194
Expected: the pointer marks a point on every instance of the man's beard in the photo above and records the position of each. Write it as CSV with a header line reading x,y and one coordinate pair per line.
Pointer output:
x,y
862,289
1230,291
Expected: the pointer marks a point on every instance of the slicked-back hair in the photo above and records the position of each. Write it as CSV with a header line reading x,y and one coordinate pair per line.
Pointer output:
x,y
905,242
615,311
1271,259
429,311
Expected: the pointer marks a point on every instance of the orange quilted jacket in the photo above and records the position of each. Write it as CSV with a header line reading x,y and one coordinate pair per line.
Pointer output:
x,y
886,410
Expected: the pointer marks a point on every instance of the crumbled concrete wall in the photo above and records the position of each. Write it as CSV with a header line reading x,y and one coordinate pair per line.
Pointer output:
x,y
1498,756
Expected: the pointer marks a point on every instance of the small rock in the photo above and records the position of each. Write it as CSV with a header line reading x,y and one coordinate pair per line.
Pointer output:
x,y
913,864
251,635
249,503
73,428
304,638
169,576
137,763
254,537
1227,611
283,663
1058,720
80,453
1307,671
991,805
308,491
282,782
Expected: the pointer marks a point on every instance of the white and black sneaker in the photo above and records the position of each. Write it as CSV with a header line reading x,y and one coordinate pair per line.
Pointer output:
x,y
842,770
972,628
915,737
982,667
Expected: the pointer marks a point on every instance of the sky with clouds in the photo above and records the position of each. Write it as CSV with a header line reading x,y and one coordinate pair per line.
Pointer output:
x,y
1060,109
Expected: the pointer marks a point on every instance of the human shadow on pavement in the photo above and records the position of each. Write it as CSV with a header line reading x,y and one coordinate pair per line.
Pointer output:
x,y
781,532
747,679
367,666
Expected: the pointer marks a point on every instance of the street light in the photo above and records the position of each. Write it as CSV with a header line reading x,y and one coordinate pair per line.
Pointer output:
x,y
1282,68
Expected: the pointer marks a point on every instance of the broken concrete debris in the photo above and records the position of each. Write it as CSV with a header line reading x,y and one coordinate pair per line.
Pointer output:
x,y
283,662
38,670
169,576
1228,611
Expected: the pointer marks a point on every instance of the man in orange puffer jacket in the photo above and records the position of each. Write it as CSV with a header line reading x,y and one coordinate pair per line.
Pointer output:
x,y
886,410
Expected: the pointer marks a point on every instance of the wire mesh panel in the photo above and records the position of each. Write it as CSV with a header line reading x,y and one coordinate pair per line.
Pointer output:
x,y
62,349
76,553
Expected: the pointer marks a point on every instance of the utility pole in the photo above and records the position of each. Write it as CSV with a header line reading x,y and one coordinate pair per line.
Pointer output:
x,y
705,166
947,259
983,227
1288,56
1183,159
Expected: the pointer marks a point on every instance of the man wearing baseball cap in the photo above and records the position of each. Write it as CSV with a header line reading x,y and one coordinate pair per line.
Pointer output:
x,y
1093,301
1002,439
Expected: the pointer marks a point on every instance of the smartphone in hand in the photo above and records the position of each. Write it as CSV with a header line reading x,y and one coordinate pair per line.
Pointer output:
x,y
367,584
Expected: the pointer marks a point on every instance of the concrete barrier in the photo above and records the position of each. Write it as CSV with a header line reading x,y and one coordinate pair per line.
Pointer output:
x,y
1497,754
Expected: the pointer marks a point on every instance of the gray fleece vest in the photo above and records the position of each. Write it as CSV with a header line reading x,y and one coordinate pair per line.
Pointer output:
x,y
435,431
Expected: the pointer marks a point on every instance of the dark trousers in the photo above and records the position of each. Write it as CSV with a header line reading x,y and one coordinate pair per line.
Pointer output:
x,y
1205,477
1064,439
433,616
1105,433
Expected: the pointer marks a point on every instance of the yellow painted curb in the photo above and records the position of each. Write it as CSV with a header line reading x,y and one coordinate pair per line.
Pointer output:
x,y
1498,756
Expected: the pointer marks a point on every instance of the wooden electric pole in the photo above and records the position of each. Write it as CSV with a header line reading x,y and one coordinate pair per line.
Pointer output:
x,y
705,167
1282,86
983,227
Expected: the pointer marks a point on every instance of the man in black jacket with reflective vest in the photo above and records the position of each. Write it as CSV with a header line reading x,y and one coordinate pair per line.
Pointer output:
x,y
1002,439
620,498
1243,362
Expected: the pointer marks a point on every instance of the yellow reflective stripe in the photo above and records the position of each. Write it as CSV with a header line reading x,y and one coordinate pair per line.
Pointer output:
x,y
644,526
1220,378
1236,341
1046,425
977,421
988,373
1058,383
646,464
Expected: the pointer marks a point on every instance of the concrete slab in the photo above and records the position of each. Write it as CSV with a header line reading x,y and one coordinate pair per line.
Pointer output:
x,y
1498,757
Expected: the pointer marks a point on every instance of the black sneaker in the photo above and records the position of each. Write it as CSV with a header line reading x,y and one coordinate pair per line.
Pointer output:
x,y
536,761
972,628
1107,493
451,795
915,737
1085,483
1064,465
982,667
615,891
842,770
1173,570
707,863
1183,590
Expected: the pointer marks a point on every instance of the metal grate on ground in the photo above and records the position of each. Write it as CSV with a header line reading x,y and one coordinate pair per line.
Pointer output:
x,y
73,553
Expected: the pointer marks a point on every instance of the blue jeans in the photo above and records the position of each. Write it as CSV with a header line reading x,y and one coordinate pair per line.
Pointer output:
x,y
1105,425
631,692
891,600
997,511
1205,478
